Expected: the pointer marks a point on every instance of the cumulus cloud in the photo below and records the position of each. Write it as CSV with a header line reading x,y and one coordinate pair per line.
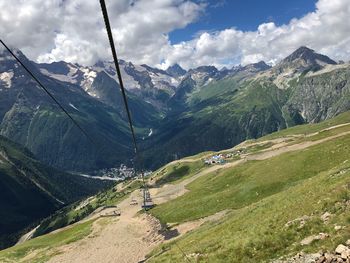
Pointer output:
x,y
326,30
74,31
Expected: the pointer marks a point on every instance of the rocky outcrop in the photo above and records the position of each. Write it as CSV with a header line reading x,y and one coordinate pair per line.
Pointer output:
x,y
319,97
340,254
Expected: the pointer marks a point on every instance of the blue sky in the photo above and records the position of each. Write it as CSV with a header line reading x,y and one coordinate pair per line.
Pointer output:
x,y
245,15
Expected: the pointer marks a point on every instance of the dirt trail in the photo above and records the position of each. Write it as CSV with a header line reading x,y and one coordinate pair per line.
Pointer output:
x,y
128,238
171,191
124,239
328,129
290,148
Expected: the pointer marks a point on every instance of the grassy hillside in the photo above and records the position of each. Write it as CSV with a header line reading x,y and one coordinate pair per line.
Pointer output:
x,y
178,171
261,197
257,232
272,204
46,245
246,184
30,190
80,210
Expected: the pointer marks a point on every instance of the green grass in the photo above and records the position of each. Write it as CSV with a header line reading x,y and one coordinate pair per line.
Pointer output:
x,y
45,246
309,128
178,171
257,232
214,89
308,182
327,133
319,135
70,214
238,187
262,197
199,155
256,148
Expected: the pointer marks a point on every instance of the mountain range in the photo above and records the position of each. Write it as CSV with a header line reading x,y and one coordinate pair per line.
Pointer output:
x,y
176,112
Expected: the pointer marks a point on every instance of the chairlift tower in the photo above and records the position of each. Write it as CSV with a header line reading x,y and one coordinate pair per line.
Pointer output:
x,y
147,200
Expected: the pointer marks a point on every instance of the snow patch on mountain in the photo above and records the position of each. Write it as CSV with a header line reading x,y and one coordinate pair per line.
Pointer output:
x,y
329,68
64,78
89,75
208,81
70,104
88,78
129,82
6,78
163,82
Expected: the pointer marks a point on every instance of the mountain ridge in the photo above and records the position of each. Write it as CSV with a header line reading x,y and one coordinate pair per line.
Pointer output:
x,y
204,99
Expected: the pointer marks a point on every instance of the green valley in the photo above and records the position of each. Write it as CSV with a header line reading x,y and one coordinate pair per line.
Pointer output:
x,y
273,198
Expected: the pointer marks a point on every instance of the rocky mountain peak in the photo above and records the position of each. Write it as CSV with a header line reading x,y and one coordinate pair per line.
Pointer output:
x,y
261,65
60,67
176,70
309,56
154,70
303,59
7,61
253,68
206,69
302,52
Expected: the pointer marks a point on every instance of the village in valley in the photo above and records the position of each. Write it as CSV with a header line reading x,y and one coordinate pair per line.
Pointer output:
x,y
120,173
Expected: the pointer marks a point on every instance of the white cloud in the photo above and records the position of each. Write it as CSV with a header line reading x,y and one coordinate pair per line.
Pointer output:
x,y
74,31
325,30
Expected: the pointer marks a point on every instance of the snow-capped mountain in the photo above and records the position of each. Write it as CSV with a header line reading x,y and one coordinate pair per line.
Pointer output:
x,y
174,103
154,85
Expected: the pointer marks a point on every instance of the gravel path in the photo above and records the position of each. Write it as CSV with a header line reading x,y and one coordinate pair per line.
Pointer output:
x,y
124,239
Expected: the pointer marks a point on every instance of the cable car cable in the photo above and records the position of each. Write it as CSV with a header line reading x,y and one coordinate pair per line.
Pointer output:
x,y
122,88
115,58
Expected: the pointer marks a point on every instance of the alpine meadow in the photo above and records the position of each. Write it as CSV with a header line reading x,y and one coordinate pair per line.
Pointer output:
x,y
174,131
